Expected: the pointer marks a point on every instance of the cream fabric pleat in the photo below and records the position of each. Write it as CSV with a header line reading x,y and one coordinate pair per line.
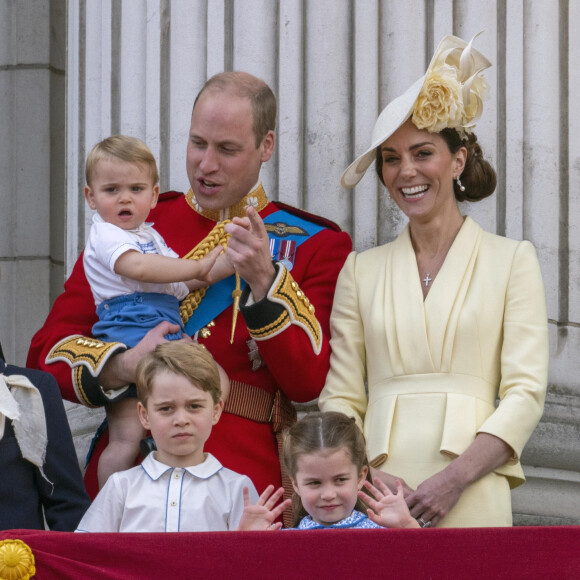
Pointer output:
x,y
21,402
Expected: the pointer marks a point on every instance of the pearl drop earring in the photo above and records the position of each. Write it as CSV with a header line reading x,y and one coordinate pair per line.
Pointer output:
x,y
459,184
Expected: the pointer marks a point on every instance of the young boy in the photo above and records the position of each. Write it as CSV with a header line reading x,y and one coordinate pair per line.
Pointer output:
x,y
178,487
136,280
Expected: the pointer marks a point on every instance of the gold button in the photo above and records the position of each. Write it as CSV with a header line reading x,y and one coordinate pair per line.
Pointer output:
x,y
294,285
311,309
299,293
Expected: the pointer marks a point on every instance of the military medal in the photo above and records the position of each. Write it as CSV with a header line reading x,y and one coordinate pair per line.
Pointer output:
x,y
283,251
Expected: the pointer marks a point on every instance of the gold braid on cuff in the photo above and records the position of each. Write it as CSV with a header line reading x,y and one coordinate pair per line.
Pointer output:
x,y
297,310
77,350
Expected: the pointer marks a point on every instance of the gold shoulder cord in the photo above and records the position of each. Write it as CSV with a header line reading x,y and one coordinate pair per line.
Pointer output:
x,y
216,237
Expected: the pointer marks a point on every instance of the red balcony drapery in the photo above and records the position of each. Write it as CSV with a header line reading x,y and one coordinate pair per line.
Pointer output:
x,y
480,553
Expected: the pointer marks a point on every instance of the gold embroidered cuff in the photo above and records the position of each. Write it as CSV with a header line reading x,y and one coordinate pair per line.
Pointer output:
x,y
297,310
86,357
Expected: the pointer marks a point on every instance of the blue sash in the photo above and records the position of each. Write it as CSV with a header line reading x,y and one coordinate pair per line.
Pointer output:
x,y
218,297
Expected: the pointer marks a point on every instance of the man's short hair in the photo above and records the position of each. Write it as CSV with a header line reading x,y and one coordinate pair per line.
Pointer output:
x,y
188,359
245,85
124,148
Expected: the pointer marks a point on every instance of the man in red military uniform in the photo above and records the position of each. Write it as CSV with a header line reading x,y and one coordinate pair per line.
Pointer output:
x,y
286,263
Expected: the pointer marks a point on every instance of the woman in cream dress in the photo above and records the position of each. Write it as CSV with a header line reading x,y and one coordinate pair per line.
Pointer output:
x,y
430,330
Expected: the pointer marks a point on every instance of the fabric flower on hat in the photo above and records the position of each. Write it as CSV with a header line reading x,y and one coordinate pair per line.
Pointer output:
x,y
453,91
440,102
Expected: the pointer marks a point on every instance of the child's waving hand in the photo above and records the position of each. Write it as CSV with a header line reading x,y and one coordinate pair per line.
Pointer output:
x,y
386,508
262,514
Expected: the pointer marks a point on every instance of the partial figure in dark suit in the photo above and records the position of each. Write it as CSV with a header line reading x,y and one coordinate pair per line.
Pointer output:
x,y
38,464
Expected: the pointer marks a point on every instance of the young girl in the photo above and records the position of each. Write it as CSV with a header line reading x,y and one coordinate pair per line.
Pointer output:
x,y
324,454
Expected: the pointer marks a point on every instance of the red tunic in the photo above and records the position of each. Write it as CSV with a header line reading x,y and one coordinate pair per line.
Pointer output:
x,y
290,361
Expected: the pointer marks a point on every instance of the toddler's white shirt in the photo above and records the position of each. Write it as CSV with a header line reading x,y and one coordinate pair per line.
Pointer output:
x,y
107,243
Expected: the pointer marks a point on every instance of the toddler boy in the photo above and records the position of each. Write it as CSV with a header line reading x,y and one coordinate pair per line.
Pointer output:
x,y
136,280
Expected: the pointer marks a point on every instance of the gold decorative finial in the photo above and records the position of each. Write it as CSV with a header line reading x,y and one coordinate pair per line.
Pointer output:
x,y
236,296
16,560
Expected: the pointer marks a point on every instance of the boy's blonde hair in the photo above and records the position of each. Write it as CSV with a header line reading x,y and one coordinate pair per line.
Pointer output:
x,y
188,359
125,148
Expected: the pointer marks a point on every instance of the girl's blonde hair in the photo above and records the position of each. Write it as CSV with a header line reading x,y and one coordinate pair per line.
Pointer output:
x,y
323,431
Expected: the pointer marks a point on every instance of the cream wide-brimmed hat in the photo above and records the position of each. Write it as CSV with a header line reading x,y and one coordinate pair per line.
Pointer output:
x,y
448,95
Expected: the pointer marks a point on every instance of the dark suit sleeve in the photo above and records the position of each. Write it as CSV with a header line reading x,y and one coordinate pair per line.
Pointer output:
x,y
64,499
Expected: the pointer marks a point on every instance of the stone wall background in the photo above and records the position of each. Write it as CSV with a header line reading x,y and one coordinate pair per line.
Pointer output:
x,y
75,71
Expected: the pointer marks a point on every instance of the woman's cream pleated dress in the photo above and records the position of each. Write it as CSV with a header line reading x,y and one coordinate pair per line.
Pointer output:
x,y
435,368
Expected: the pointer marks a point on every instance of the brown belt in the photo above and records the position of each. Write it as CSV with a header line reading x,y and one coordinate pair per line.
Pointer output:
x,y
258,405
250,402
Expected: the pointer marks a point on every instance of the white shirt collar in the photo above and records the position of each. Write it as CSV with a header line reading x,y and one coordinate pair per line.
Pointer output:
x,y
155,469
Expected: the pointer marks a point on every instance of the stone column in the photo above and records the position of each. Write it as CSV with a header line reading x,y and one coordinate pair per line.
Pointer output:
x,y
32,188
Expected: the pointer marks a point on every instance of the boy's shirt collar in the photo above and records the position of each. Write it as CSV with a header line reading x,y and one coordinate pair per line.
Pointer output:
x,y
155,469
